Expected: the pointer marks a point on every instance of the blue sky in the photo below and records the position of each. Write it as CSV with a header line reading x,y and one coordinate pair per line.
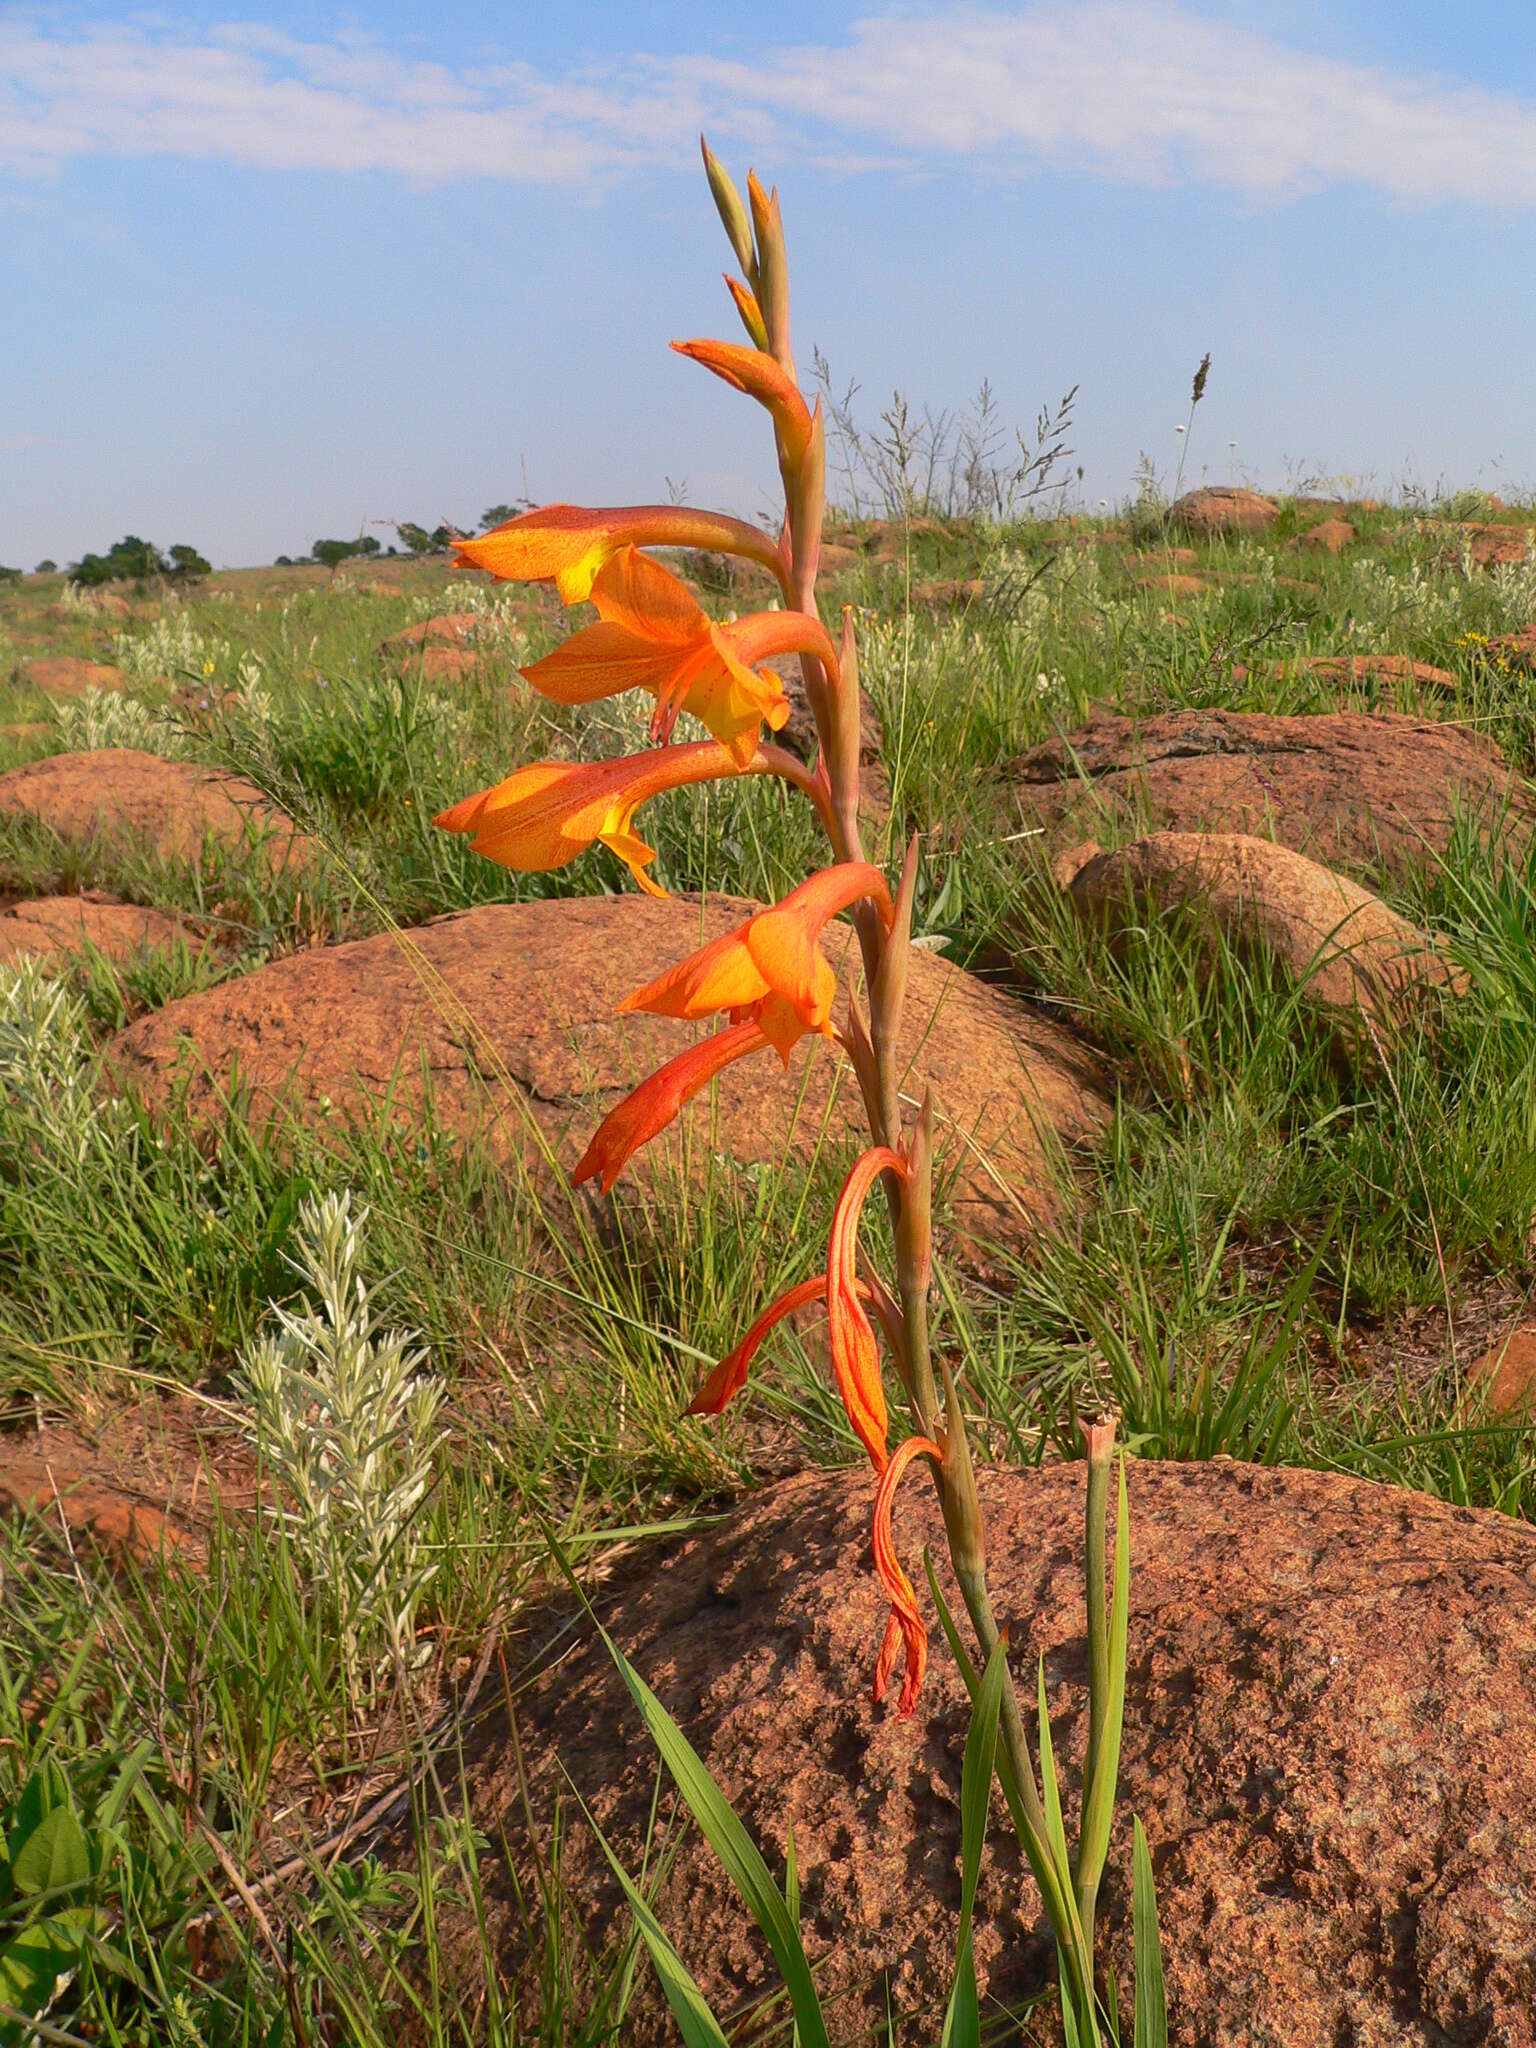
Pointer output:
x,y
273,271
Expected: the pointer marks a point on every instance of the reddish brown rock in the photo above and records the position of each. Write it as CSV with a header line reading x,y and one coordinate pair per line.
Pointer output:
x,y
1349,788
1513,653
171,807
516,1027
49,926
1173,584
1507,1373
1344,948
444,648
1493,545
140,1481
1223,508
66,675
1330,1735
1357,668
1329,536
801,736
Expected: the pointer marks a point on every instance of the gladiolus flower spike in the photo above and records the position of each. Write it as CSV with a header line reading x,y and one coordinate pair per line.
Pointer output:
x,y
730,1375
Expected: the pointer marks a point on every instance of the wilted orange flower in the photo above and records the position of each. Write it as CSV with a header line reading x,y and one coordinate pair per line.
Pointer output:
x,y
728,1378
772,967
855,1357
905,1628
547,813
652,1106
653,636
568,544
762,378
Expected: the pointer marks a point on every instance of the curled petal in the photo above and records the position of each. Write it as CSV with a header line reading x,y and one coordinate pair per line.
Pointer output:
x,y
855,1356
762,378
651,1107
728,1378
905,1628
751,312
568,544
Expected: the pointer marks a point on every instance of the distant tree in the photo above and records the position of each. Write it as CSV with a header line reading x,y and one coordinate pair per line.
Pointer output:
x,y
187,564
47,568
283,562
127,559
9,575
442,539
368,545
497,515
332,553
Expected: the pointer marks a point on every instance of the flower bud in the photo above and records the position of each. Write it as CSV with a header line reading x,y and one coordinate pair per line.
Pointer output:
x,y
914,1225
771,281
733,214
957,1489
889,993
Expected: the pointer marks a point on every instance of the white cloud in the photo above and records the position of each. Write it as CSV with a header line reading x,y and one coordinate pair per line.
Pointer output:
x,y
1122,88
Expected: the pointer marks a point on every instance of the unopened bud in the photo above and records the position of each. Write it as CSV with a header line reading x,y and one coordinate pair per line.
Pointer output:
x,y
771,280
733,214
1099,1438
888,996
914,1224
962,1508
862,1053
750,311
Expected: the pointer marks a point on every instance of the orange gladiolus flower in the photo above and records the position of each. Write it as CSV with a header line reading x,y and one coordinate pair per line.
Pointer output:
x,y
905,1628
762,378
855,1358
728,1378
652,1106
772,967
568,544
653,636
547,813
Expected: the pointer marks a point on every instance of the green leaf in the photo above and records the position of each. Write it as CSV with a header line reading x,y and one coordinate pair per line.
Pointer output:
x,y
1099,1800
31,1964
1151,2000
724,1832
962,2020
55,1856
695,2022
1071,1944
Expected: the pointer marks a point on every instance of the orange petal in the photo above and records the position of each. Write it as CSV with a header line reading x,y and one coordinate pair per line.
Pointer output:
x,y
547,813
720,976
652,1106
568,544
751,312
750,370
905,1626
601,661
730,1375
640,594
855,1356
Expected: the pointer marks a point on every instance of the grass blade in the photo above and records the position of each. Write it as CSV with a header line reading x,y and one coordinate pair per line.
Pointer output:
x,y
962,2020
1151,2000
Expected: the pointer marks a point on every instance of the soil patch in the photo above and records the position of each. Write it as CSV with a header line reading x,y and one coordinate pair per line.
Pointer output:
x,y
66,675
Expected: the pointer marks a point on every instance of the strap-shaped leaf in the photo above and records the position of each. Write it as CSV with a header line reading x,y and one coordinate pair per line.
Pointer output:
x,y
1099,1800
722,1829
962,2020
695,2022
1151,2000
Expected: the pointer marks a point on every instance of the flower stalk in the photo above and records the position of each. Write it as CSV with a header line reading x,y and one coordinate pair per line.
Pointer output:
x,y
772,986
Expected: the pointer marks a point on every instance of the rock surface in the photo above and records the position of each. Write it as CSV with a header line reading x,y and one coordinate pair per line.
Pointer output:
x,y
66,675
1356,668
48,926
171,807
1330,1735
1350,788
1223,508
1507,1373
1329,536
520,1022
1341,945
